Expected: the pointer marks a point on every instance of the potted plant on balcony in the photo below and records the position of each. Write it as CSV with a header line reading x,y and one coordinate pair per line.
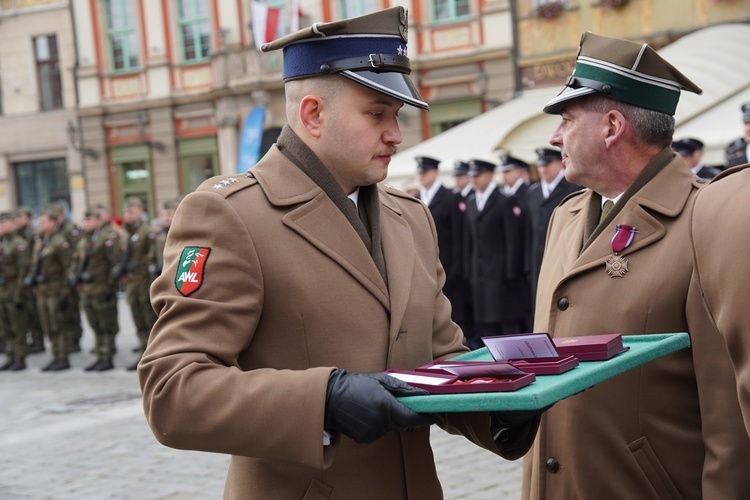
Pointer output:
x,y
550,9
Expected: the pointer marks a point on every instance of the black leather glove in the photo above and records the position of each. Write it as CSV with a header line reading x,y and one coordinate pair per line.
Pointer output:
x,y
506,419
62,304
363,406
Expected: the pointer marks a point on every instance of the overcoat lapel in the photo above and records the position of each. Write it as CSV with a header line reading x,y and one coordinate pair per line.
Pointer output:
x,y
319,221
397,241
641,211
649,229
491,200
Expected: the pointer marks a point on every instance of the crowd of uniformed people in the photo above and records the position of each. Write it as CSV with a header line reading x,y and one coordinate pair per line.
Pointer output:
x,y
491,240
491,234
52,271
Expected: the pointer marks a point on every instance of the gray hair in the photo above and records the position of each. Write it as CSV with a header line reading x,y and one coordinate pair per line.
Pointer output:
x,y
651,127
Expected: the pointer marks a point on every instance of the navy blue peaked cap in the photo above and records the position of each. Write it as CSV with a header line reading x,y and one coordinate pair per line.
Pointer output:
x,y
370,50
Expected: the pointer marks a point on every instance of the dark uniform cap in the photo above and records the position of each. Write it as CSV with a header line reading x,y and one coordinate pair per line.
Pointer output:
x,y
370,50
476,167
509,162
627,71
547,155
6,216
746,112
460,168
687,146
425,163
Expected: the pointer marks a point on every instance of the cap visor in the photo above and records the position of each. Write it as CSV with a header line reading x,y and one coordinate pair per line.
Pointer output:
x,y
555,106
393,84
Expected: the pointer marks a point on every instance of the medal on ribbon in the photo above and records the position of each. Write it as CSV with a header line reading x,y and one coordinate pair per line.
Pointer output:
x,y
617,266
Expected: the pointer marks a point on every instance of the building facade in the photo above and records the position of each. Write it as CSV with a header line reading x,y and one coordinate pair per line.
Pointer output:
x,y
549,30
39,163
105,99
169,89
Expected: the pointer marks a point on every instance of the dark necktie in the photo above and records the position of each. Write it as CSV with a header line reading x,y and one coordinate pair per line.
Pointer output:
x,y
605,209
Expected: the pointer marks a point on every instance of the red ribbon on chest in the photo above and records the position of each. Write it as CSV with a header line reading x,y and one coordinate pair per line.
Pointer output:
x,y
624,235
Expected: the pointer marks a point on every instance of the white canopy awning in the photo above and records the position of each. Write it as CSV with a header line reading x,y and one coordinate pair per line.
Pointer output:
x,y
715,58
482,136
718,60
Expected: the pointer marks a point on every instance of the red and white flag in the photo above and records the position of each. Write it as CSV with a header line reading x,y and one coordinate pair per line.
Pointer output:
x,y
265,23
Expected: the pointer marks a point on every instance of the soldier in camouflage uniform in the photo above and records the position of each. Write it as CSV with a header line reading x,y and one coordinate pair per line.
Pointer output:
x,y
15,258
25,229
72,325
97,252
161,228
49,270
134,270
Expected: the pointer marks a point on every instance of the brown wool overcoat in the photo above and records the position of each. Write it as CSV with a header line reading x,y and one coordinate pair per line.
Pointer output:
x,y
721,242
671,429
289,291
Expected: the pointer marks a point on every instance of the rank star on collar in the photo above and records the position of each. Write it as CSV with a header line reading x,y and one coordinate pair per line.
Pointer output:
x,y
224,183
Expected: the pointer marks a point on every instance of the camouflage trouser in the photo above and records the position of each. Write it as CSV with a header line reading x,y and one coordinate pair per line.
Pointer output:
x,y
71,320
13,325
144,316
51,313
33,320
101,312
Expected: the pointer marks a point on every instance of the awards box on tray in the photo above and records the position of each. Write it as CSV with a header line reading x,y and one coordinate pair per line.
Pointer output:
x,y
545,389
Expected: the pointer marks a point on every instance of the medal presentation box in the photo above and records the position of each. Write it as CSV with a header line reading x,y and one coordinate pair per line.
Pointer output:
x,y
548,389
531,352
591,347
465,377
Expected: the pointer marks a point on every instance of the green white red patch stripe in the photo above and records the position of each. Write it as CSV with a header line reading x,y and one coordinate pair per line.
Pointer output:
x,y
189,276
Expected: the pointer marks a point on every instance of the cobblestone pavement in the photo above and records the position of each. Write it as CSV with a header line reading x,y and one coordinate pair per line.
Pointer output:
x,y
80,435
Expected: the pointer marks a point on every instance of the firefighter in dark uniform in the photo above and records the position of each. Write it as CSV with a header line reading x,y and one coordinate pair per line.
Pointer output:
x,y
98,251
737,152
691,150
15,257
541,200
134,270
462,313
441,202
496,259
161,228
515,174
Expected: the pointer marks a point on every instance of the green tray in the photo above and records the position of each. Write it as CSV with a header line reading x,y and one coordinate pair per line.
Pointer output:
x,y
548,389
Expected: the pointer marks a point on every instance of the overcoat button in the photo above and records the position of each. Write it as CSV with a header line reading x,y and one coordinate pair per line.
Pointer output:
x,y
553,465
563,303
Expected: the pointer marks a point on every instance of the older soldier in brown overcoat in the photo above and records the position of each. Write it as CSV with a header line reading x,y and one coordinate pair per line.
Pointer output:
x,y
288,290
671,428
720,246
